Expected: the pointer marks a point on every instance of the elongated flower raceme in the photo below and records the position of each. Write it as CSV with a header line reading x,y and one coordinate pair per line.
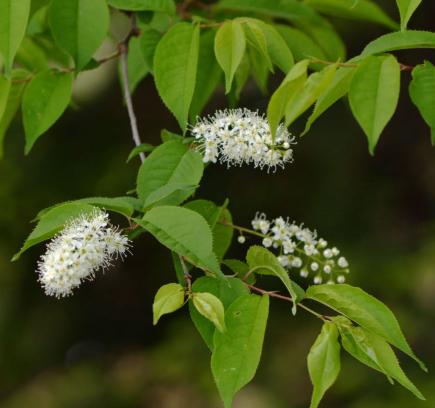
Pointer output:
x,y
301,250
87,244
240,136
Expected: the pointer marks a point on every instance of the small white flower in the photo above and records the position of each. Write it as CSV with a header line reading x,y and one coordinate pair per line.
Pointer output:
x,y
290,238
342,262
309,250
264,226
260,223
327,253
322,243
341,279
296,262
288,246
241,136
267,242
317,280
283,260
86,244
241,239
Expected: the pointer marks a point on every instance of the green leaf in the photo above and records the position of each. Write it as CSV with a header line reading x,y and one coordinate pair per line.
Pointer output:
x,y
169,194
211,308
374,94
13,102
52,222
375,352
170,163
325,35
406,9
208,75
216,217
364,10
240,269
364,309
79,27
312,89
229,48
142,148
5,87
149,39
400,41
121,205
259,69
13,21
255,38
167,136
184,232
278,48
422,92
301,45
241,76
168,299
338,88
44,100
324,362
137,67
165,6
298,13
285,94
31,56
354,340
175,66
227,291
263,262
237,352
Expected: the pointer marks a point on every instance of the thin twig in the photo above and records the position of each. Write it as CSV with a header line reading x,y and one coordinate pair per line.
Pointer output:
x,y
404,67
187,276
287,299
124,74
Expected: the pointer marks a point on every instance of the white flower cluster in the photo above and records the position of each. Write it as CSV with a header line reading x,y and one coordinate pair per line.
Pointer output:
x,y
86,244
240,136
300,249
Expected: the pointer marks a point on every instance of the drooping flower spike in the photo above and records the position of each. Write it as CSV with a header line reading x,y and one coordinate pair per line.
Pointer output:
x,y
240,136
87,244
301,250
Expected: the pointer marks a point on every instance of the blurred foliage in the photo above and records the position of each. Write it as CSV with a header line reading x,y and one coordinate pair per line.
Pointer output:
x,y
98,348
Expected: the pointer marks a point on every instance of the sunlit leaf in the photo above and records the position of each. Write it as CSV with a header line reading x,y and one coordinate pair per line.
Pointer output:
x,y
406,9
237,351
422,92
374,94
324,362
185,232
168,299
229,48
52,222
364,309
44,100
175,67
13,21
79,27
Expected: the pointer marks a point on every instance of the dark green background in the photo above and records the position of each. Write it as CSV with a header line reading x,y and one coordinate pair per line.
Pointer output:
x,y
98,348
